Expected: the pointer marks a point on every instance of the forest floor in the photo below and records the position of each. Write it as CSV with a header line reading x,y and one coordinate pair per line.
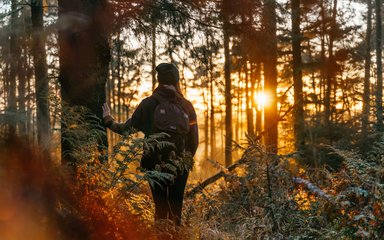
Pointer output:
x,y
262,198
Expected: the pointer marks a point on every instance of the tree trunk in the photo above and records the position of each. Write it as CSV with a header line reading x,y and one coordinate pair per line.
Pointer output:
x,y
110,96
22,76
170,49
206,126
183,81
248,101
367,71
212,109
315,88
118,76
299,124
330,73
22,72
323,66
379,88
238,108
30,118
270,75
84,57
13,58
259,111
228,95
41,74
153,54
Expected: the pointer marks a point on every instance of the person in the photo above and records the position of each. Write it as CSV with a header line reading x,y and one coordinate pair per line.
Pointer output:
x,y
167,195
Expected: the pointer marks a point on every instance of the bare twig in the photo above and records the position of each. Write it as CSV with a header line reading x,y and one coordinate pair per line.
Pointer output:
x,y
313,188
216,177
12,12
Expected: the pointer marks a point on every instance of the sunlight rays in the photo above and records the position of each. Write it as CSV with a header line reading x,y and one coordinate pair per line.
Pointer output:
x,y
262,99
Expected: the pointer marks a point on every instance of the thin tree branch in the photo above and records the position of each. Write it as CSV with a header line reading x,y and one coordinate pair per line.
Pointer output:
x,y
215,177
12,12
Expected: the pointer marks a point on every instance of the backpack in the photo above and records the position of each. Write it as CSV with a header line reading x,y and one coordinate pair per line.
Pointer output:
x,y
170,117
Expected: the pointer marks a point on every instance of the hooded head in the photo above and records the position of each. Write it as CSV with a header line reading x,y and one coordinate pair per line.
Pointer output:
x,y
167,73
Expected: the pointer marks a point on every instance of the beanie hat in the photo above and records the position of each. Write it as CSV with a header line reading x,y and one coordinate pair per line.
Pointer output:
x,y
167,73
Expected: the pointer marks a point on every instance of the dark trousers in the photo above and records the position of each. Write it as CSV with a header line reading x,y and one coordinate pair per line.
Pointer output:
x,y
168,198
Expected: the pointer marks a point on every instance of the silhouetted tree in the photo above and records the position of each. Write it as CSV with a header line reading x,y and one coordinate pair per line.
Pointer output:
x,y
299,124
13,60
270,74
41,73
228,83
84,59
379,86
367,71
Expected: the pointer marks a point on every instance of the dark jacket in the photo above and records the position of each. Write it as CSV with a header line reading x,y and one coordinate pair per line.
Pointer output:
x,y
143,119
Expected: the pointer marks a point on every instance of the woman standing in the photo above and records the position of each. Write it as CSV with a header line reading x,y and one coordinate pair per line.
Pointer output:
x,y
166,110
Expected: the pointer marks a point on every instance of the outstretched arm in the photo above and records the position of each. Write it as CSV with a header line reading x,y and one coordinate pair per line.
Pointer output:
x,y
109,121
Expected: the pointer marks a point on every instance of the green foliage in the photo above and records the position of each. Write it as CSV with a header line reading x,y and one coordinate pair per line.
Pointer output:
x,y
118,182
122,172
82,132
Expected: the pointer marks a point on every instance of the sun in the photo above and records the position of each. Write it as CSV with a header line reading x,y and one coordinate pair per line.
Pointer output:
x,y
262,99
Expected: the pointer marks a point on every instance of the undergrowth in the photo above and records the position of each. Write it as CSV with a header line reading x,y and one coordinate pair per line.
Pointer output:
x,y
261,199
268,202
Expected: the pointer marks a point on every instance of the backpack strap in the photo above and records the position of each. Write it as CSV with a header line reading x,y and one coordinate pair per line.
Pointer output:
x,y
159,98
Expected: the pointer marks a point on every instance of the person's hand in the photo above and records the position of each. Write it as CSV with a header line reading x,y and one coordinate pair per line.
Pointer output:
x,y
106,110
